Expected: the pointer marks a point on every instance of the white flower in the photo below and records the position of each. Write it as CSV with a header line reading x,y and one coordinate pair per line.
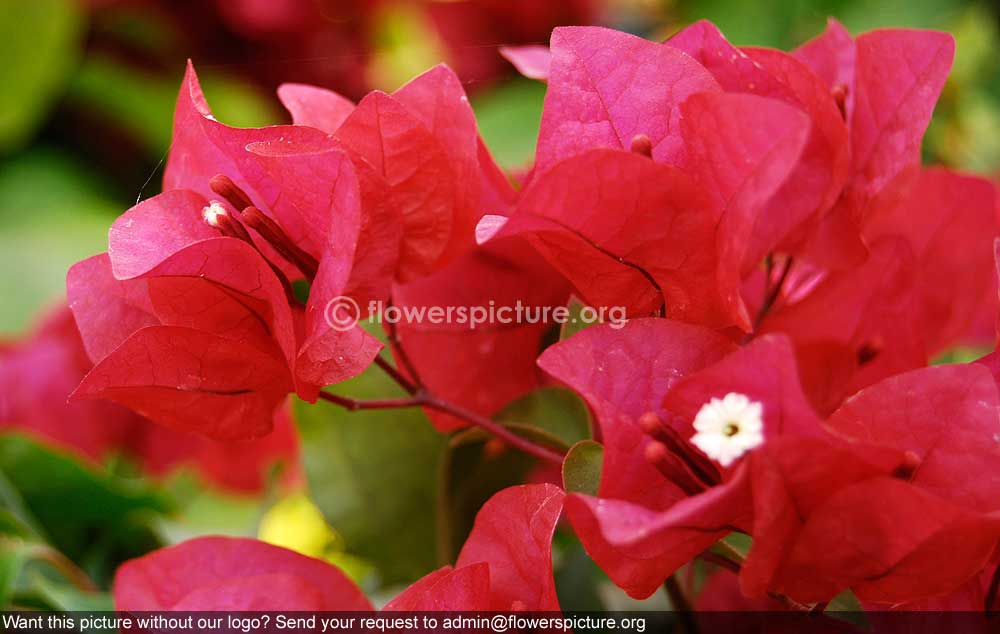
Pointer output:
x,y
727,428
212,212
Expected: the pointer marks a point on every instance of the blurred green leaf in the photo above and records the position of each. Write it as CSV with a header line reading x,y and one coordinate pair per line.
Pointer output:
x,y
12,559
53,213
143,104
374,476
554,410
66,598
476,466
578,578
94,518
473,470
509,117
581,469
40,42
961,354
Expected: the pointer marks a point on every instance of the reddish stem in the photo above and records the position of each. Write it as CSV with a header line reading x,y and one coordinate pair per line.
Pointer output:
x,y
353,404
494,428
396,375
423,399
680,604
404,359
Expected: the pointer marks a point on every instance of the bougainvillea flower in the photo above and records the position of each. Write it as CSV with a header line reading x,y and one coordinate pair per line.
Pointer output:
x,y
949,221
423,143
505,564
888,81
215,372
230,573
854,327
819,174
738,148
480,366
926,531
660,501
38,374
623,374
206,283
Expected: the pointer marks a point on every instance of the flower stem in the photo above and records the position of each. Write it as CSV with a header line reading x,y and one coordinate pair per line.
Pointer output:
x,y
424,399
353,404
680,605
396,375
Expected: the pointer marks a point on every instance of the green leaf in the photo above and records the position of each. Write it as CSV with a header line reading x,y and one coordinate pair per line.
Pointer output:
x,y
581,469
40,42
94,518
374,476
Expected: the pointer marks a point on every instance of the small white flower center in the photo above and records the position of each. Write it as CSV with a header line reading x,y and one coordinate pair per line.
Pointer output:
x,y
728,427
212,212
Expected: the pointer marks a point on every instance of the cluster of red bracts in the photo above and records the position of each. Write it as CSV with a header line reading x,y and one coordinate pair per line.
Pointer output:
x,y
788,266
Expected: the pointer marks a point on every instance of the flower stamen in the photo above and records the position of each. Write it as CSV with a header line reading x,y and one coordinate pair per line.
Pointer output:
x,y
276,237
230,191
675,458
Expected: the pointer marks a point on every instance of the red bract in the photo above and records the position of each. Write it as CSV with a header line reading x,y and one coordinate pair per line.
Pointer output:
x,y
191,283
742,150
661,502
481,366
506,563
532,61
818,176
228,573
852,328
928,530
423,143
37,376
888,81
627,232
949,220
607,87
622,374
765,372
